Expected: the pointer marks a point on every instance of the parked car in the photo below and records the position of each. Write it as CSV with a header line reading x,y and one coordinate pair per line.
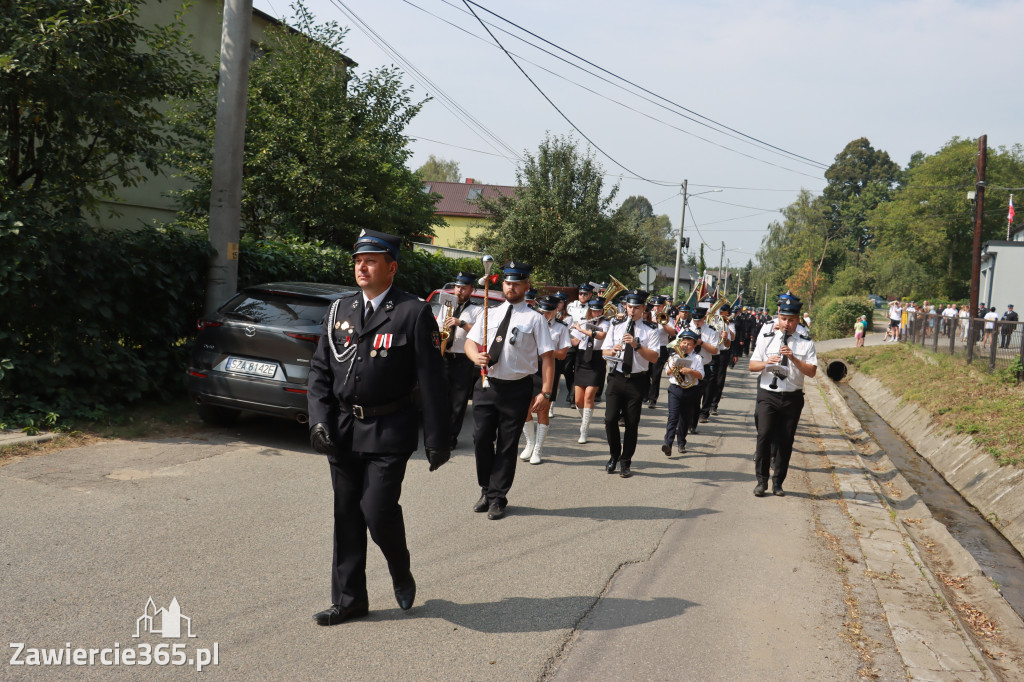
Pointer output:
x,y
253,354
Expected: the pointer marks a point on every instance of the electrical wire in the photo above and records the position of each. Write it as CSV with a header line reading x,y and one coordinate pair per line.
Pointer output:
x,y
639,87
752,208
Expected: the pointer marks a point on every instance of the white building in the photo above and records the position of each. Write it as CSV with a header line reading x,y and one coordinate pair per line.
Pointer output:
x,y
1002,272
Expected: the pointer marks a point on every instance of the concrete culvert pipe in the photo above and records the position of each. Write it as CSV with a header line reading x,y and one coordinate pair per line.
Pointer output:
x,y
837,370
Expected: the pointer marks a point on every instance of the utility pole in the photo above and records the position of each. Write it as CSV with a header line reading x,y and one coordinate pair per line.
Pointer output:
x,y
228,147
679,249
979,211
721,261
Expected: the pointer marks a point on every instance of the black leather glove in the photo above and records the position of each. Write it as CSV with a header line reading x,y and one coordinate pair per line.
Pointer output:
x,y
437,457
320,439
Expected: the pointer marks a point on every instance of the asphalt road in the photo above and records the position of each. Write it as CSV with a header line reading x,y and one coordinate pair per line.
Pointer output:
x,y
676,573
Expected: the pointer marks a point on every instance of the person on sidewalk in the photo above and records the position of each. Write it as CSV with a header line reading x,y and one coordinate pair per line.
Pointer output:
x,y
892,333
461,373
559,332
630,347
376,349
859,330
517,344
783,359
588,338
682,401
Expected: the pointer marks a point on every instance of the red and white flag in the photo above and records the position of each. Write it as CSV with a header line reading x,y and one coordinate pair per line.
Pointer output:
x,y
1009,216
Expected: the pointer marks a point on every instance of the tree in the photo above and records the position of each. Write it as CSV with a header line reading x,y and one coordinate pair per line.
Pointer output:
x,y
861,178
325,153
82,88
438,170
559,221
636,215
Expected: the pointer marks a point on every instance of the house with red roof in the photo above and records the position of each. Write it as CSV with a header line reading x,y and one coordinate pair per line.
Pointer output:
x,y
458,205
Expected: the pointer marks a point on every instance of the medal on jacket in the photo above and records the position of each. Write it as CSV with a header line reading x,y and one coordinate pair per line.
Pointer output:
x,y
381,343
348,353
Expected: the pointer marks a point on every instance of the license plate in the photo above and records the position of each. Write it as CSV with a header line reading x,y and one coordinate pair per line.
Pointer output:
x,y
260,369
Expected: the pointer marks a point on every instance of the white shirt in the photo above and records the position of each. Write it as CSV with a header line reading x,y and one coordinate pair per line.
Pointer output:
x,y
577,310
708,335
376,300
692,361
949,312
803,349
526,340
730,329
559,334
990,320
646,337
470,315
894,312
586,341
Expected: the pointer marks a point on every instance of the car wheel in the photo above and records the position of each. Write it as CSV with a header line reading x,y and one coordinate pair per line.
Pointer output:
x,y
215,415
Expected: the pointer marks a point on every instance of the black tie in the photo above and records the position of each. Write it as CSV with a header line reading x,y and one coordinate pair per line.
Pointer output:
x,y
627,358
368,312
588,354
499,338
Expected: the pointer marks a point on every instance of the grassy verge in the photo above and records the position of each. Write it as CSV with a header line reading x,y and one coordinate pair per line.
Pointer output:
x,y
959,397
153,420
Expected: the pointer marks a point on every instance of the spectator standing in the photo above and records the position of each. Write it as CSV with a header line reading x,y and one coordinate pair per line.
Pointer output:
x,y
965,321
893,332
859,330
990,326
1008,326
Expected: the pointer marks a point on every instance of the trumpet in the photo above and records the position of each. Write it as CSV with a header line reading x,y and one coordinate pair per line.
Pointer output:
x,y
684,380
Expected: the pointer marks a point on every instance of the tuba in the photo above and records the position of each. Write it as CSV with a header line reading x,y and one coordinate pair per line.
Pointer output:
x,y
684,380
714,319
614,289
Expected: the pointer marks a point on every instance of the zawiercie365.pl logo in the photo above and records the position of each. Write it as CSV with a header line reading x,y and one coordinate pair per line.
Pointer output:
x,y
168,623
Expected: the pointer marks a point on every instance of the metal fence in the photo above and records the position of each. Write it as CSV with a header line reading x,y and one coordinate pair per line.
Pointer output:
x,y
998,344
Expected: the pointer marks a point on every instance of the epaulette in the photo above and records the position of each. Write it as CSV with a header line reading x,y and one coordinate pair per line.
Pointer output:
x,y
651,325
561,322
805,337
766,334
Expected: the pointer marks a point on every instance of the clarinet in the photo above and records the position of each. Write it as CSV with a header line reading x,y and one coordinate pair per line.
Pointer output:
x,y
782,363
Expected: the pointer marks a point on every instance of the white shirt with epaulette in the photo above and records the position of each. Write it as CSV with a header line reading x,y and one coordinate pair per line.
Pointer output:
x,y
803,350
526,340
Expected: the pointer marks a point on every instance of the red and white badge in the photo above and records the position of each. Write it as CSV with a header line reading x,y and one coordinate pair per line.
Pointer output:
x,y
381,343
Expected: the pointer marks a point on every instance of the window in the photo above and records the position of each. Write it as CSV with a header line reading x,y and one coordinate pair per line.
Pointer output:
x,y
474,193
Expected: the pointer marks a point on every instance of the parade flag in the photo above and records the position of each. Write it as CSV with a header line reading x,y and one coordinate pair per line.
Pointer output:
x,y
738,303
1009,216
702,288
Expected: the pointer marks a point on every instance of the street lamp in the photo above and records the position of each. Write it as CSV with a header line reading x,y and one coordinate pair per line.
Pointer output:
x,y
679,240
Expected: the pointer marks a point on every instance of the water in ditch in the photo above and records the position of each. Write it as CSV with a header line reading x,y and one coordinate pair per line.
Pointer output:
x,y
997,557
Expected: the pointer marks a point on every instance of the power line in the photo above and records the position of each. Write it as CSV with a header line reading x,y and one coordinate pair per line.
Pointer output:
x,y
752,208
639,87
555,107
449,144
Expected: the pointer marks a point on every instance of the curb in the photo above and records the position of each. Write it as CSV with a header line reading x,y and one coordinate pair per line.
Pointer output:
x,y
10,438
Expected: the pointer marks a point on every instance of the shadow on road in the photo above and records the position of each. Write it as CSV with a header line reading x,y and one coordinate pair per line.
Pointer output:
x,y
527,614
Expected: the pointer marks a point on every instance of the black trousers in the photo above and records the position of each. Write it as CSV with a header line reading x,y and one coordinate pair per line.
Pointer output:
x,y
625,397
708,386
366,491
462,375
559,371
682,404
500,413
569,372
656,370
718,382
776,416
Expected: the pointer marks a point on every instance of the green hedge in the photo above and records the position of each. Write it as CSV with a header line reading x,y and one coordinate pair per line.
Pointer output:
x,y
92,320
834,317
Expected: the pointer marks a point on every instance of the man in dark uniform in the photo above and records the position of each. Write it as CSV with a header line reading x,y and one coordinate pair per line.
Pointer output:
x,y
376,348
783,358
461,373
1008,326
518,343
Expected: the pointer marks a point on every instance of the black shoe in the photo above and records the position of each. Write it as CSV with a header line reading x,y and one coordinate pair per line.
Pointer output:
x,y
777,491
570,404
759,490
625,472
455,443
693,429
481,504
714,410
405,593
682,449
652,404
610,466
667,449
703,419
336,614
495,511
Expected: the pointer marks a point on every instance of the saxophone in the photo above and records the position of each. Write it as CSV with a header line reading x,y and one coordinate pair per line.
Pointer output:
x,y
684,380
446,311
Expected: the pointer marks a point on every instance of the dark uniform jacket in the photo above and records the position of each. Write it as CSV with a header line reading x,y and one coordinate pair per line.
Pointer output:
x,y
380,364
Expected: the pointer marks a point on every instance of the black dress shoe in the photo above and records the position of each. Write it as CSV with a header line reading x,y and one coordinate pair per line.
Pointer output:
x,y
405,593
496,511
714,410
693,429
625,472
778,491
336,614
667,449
610,466
703,419
759,490
481,504
682,449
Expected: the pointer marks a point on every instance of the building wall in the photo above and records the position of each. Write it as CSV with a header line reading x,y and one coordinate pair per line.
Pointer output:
x,y
150,201
1002,280
454,232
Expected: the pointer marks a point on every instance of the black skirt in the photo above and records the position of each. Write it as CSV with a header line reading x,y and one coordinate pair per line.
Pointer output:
x,y
589,373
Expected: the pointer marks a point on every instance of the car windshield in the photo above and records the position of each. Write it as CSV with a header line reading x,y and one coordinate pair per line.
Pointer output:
x,y
276,309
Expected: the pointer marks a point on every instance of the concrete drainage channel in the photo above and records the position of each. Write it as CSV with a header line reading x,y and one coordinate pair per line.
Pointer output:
x,y
979,572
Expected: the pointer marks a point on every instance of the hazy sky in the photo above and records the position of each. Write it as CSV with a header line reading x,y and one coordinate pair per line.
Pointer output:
x,y
804,77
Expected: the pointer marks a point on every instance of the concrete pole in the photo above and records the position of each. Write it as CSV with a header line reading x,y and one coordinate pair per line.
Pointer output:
x,y
228,147
679,250
979,212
